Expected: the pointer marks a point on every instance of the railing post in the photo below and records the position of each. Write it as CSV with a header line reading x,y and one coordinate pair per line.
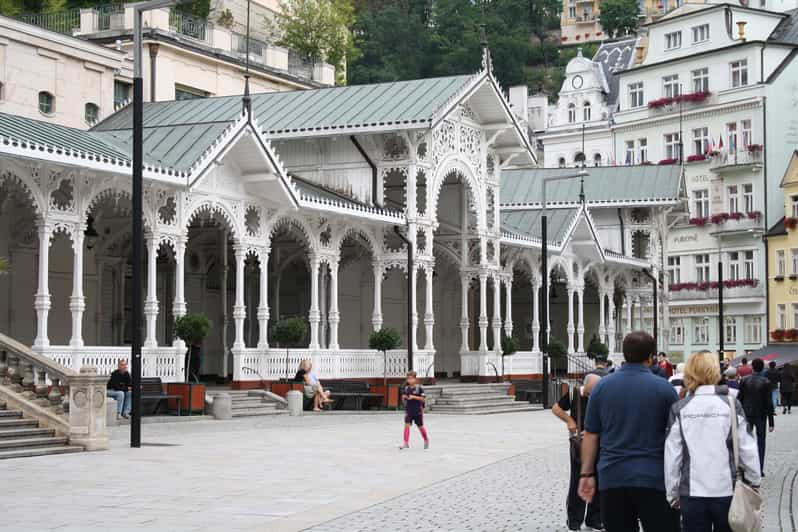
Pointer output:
x,y
87,410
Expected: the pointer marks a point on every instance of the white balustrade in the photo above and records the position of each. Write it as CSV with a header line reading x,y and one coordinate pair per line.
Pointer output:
x,y
523,363
165,362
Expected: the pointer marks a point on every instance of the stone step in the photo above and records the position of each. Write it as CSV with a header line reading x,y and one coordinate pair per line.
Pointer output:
x,y
18,423
46,441
10,413
472,395
40,451
15,433
250,401
521,407
251,412
466,387
476,402
247,406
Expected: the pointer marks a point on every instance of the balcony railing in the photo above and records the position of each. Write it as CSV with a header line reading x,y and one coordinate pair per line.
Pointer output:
x,y
66,22
736,158
711,293
188,25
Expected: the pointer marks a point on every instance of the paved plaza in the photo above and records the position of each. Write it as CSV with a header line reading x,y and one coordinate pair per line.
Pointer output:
x,y
327,473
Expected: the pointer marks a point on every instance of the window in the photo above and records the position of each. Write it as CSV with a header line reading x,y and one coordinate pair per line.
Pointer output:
x,y
673,40
597,159
46,103
579,159
748,197
672,146
630,152
749,264
701,203
730,330
642,150
674,270
572,11
700,33
794,308
92,113
780,263
731,193
794,261
752,326
781,316
794,206
701,80
700,140
571,113
731,136
561,162
2,92
701,331
739,73
188,93
586,111
745,131
734,265
677,332
702,268
121,93
670,86
636,94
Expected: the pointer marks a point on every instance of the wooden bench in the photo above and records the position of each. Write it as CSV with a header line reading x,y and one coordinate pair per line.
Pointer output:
x,y
152,392
357,391
528,390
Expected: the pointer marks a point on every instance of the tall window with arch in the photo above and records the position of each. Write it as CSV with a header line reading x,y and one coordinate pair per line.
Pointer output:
x,y
579,159
571,113
586,111
597,159
561,162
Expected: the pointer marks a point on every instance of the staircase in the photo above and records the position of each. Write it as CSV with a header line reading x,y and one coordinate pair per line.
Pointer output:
x,y
474,399
247,403
21,437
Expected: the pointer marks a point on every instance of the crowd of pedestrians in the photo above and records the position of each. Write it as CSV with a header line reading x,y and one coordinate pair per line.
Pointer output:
x,y
653,445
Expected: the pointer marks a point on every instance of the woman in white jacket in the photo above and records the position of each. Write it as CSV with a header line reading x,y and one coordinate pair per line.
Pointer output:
x,y
699,461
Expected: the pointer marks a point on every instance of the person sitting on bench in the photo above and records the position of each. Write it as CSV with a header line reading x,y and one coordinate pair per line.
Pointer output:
x,y
119,388
312,385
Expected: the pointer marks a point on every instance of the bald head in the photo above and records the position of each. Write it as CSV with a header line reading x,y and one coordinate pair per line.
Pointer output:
x,y
591,379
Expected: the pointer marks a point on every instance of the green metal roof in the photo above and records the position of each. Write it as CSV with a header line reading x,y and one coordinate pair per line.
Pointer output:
x,y
526,224
326,110
603,184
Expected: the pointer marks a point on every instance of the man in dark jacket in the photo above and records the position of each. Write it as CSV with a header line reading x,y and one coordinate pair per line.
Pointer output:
x,y
758,405
120,387
773,377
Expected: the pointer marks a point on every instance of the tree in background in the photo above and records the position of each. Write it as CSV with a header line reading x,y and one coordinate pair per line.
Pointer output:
x,y
619,17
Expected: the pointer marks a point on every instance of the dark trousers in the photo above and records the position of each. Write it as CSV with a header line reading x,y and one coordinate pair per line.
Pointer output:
x,y
575,506
705,514
786,400
622,507
761,425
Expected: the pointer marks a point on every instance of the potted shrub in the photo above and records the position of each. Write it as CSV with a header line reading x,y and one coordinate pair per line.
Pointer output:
x,y
509,347
557,353
778,334
597,349
384,340
192,329
288,333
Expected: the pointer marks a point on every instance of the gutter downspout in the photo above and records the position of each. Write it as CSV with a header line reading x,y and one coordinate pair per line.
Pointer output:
x,y
765,213
153,55
373,169
623,233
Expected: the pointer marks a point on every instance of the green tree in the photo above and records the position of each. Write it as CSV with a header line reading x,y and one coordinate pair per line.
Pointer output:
x,y
619,17
384,340
192,328
288,333
319,30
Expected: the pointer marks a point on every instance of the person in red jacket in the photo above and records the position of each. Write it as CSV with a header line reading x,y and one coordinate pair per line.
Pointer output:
x,y
665,365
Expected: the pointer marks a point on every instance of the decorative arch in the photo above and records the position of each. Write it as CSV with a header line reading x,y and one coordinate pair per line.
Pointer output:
x,y
214,207
456,164
562,264
290,221
96,196
355,231
27,188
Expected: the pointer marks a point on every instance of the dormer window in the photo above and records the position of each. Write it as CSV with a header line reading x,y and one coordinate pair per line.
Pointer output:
x,y
673,40
586,112
571,113
700,33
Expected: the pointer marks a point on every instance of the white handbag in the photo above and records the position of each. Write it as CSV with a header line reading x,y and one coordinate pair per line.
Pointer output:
x,y
746,505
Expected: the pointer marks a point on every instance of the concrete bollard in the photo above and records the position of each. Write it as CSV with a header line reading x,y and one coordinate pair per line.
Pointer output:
x,y
222,407
294,398
110,412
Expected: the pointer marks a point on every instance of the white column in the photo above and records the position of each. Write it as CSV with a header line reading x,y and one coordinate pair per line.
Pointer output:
x,y
239,309
151,302
429,316
323,315
602,328
508,313
483,312
42,300
179,303
313,314
77,303
376,316
334,316
535,316
611,326
263,302
580,328
629,304
570,328
465,281
497,314
414,315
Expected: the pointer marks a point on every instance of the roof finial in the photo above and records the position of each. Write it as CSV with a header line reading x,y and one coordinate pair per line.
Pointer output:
x,y
246,100
487,63
579,52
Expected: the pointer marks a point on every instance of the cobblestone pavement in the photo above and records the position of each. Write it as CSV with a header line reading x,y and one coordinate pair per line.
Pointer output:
x,y
327,473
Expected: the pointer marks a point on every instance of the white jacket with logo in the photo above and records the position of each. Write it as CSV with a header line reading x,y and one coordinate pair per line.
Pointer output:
x,y
699,458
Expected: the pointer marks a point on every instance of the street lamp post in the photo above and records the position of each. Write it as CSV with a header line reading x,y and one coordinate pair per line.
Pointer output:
x,y
138,148
544,276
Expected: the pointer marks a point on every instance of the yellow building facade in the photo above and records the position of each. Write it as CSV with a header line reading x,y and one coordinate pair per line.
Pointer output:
x,y
782,246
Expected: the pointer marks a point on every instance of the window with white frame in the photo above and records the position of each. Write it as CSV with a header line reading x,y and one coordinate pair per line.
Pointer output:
x,y
701,203
636,94
700,140
46,103
673,40
672,146
733,197
677,332
701,80
642,150
734,265
674,270
745,134
794,203
571,113
700,33
780,266
702,268
794,261
701,331
586,111
572,11
731,136
730,331
748,197
739,73
670,86
630,152
753,328
781,316
748,256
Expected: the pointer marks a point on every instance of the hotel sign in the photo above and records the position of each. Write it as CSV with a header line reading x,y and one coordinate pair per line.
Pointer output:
x,y
694,309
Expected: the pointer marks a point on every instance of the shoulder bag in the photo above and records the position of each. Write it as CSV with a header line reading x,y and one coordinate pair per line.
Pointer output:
x,y
746,505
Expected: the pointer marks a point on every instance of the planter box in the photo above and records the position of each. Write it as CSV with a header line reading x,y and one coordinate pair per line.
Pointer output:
x,y
184,390
393,394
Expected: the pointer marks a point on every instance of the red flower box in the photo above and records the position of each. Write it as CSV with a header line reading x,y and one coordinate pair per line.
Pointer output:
x,y
778,334
667,161
719,218
790,223
694,97
700,222
754,215
564,39
755,148
599,33
696,158
736,216
661,102
578,37
791,334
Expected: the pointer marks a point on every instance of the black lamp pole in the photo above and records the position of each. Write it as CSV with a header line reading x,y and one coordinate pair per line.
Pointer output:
x,y
411,297
721,323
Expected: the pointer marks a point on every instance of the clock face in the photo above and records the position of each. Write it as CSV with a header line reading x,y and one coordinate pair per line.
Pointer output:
x,y
577,82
